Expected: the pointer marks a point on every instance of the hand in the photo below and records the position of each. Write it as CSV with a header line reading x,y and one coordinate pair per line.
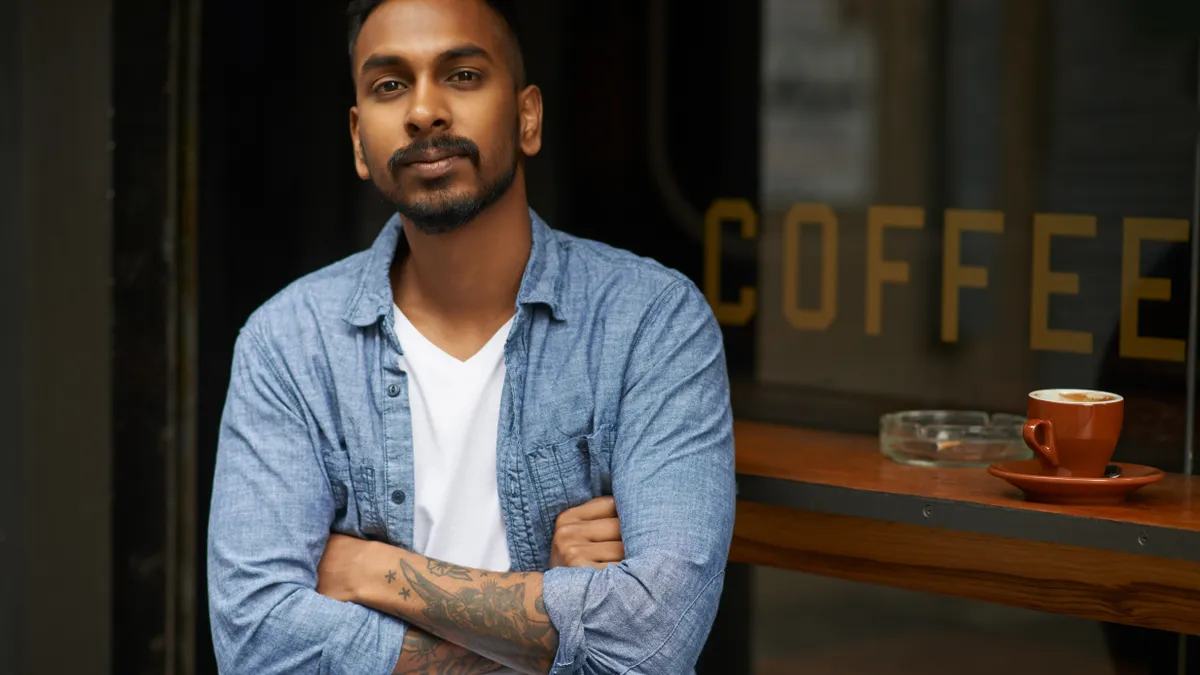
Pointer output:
x,y
346,562
588,535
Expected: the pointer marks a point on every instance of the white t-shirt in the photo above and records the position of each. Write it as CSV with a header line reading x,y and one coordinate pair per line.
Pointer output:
x,y
455,408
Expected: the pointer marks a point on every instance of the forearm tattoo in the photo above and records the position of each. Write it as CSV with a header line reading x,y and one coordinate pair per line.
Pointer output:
x,y
489,613
425,654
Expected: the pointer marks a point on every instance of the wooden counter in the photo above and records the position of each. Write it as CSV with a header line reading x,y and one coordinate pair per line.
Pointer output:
x,y
829,503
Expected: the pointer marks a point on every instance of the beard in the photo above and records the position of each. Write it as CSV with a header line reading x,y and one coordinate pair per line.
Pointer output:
x,y
436,207
440,210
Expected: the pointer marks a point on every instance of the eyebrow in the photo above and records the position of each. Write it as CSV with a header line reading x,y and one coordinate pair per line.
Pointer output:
x,y
466,51
381,61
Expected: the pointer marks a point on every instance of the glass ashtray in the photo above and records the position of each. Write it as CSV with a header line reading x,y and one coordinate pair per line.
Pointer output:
x,y
952,438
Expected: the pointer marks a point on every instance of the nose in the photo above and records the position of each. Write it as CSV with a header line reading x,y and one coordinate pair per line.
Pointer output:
x,y
427,110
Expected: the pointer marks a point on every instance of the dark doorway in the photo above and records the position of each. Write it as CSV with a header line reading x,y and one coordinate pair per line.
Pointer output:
x,y
278,197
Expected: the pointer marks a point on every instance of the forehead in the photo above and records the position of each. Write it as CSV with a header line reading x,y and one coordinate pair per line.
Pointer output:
x,y
422,29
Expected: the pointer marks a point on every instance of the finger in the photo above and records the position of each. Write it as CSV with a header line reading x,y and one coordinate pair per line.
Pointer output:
x,y
592,555
600,507
606,552
606,529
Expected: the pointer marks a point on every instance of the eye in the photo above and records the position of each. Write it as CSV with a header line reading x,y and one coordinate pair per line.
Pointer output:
x,y
464,77
388,87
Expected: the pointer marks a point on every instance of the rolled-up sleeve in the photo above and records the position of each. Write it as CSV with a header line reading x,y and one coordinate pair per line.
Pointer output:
x,y
673,481
272,508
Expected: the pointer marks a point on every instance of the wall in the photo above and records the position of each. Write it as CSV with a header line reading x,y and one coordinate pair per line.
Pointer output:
x,y
54,253
12,288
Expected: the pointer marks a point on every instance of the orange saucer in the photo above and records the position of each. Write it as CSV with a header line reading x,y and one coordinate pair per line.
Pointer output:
x,y
1027,475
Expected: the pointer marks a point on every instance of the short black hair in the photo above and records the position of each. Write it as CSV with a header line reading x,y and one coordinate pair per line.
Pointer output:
x,y
360,10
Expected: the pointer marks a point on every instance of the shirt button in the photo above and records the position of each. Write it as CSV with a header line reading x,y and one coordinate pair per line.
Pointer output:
x,y
398,497
393,390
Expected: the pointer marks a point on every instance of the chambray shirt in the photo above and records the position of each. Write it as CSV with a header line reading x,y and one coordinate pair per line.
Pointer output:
x,y
615,377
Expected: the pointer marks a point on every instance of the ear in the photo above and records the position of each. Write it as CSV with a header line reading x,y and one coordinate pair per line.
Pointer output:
x,y
360,153
529,110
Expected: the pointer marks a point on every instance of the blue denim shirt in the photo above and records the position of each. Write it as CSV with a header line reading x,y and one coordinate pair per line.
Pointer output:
x,y
615,376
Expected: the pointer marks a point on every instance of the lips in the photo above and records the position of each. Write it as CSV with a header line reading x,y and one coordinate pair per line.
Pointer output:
x,y
432,156
425,153
437,168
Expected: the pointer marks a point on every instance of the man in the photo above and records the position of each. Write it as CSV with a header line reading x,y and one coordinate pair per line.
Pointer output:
x,y
467,407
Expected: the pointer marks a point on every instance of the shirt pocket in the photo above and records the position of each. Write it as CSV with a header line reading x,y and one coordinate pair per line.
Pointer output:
x,y
569,473
353,490
337,468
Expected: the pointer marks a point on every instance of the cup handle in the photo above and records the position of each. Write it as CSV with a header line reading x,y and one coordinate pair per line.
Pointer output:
x,y
1039,436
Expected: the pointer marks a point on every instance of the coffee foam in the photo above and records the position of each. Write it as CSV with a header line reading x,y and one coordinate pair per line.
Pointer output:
x,y
1076,396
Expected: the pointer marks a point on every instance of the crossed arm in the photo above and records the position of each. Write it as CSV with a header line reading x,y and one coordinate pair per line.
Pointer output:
x,y
501,617
461,620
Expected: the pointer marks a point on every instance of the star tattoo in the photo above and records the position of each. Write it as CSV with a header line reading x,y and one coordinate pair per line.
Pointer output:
x,y
391,576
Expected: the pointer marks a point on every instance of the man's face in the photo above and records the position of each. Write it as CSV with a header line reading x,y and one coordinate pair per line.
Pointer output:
x,y
439,126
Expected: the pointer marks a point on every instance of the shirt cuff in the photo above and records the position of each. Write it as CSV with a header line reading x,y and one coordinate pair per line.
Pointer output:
x,y
564,590
366,642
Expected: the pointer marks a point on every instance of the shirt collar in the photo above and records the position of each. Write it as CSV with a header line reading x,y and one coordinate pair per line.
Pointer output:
x,y
541,283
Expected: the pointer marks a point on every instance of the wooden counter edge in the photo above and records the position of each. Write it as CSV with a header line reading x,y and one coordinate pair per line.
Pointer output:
x,y
1126,588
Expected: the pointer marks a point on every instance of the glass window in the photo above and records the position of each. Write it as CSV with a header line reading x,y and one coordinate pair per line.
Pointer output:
x,y
962,202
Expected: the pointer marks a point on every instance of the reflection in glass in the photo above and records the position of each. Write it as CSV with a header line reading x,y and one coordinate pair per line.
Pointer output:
x,y
962,202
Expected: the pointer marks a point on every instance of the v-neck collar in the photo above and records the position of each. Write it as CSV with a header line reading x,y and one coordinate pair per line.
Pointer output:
x,y
494,342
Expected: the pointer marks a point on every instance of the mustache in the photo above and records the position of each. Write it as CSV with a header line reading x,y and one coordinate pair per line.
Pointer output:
x,y
451,144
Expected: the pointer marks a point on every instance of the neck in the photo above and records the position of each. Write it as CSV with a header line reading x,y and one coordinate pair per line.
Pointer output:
x,y
470,276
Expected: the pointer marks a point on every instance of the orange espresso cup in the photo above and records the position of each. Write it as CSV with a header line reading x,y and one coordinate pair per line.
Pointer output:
x,y
1074,432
